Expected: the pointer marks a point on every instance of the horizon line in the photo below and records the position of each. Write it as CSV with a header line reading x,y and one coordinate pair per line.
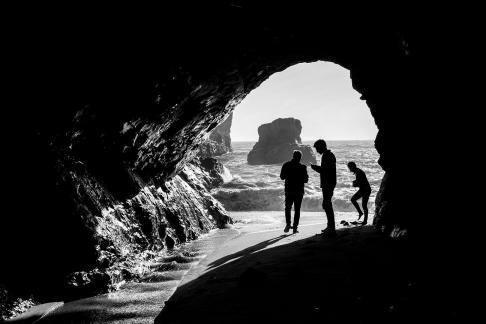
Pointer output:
x,y
308,140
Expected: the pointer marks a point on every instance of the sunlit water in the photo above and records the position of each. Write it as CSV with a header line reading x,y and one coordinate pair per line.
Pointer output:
x,y
259,187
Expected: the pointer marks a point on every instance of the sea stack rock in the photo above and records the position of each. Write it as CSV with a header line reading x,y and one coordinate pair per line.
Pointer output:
x,y
277,140
219,141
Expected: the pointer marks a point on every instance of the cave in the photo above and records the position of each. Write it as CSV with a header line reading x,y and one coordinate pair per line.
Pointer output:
x,y
110,108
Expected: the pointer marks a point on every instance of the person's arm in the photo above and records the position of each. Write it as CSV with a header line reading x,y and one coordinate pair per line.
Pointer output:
x,y
357,181
306,176
316,168
283,172
360,178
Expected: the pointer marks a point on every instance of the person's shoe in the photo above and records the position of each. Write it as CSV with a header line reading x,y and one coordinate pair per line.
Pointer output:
x,y
287,229
295,231
326,230
359,216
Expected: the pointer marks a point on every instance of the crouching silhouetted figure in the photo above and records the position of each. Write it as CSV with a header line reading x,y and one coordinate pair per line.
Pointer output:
x,y
363,192
295,175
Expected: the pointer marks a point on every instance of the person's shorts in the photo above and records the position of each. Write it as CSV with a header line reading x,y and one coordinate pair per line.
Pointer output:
x,y
362,193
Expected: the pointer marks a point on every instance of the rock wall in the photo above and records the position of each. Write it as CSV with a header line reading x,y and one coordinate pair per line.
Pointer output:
x,y
219,141
104,239
276,142
127,232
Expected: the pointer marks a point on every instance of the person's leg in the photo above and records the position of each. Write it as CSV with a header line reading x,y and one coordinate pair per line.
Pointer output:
x,y
364,202
327,205
297,204
354,200
288,208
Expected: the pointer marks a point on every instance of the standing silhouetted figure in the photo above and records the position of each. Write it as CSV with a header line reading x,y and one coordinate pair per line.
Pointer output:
x,y
363,192
327,171
295,175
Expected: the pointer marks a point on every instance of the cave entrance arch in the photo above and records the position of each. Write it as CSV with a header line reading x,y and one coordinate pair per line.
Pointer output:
x,y
320,96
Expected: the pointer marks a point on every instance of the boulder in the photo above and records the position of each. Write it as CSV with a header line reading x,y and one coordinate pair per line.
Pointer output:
x,y
277,140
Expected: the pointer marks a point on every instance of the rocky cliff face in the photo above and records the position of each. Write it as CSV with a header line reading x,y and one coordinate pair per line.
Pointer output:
x,y
106,239
107,111
159,216
219,141
276,142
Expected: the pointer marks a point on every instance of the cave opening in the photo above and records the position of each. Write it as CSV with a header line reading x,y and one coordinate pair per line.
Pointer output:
x,y
320,96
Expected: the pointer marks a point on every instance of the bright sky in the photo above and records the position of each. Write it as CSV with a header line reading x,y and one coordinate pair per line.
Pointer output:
x,y
319,94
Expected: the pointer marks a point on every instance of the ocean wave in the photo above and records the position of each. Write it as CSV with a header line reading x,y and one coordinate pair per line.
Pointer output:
x,y
238,183
259,188
250,199
272,199
226,175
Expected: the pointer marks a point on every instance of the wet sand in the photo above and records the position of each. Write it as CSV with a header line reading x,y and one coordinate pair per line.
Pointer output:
x,y
139,302
254,272
267,276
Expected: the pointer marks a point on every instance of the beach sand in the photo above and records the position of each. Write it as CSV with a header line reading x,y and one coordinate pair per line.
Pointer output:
x,y
267,276
253,272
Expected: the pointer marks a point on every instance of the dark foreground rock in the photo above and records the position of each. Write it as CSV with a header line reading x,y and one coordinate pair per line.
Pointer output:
x,y
120,235
11,306
219,141
158,217
277,140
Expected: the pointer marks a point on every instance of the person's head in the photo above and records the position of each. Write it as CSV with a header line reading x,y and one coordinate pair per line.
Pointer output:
x,y
352,166
297,155
320,146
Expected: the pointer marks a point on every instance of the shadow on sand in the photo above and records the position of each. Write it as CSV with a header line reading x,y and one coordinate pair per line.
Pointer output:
x,y
359,277
247,251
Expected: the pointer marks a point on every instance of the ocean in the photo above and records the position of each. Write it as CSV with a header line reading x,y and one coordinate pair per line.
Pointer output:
x,y
259,187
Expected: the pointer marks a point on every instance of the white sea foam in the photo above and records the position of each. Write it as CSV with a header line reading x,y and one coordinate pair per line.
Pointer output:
x,y
252,188
227,176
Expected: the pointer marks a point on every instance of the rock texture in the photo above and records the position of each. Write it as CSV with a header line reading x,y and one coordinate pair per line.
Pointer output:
x,y
112,239
276,142
108,107
219,141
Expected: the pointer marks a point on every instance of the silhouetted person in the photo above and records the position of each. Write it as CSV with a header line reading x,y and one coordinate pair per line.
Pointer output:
x,y
327,171
295,176
363,192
